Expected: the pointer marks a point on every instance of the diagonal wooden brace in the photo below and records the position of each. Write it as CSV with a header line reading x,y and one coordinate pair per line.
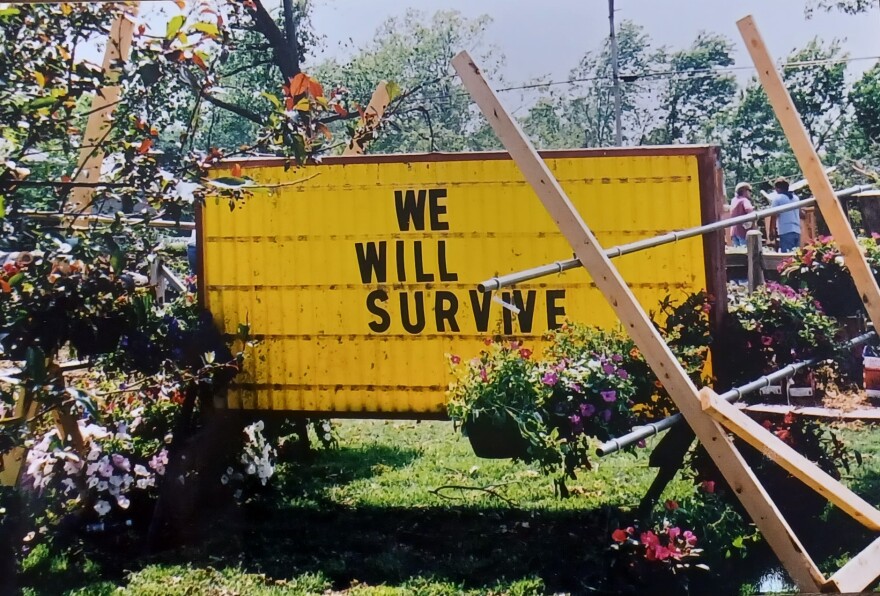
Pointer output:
x,y
736,421
736,471
809,161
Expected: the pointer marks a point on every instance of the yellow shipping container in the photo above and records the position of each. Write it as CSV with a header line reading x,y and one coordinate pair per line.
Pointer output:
x,y
359,281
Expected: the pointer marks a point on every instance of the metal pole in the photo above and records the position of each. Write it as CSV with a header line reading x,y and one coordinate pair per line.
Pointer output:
x,y
615,76
510,279
649,430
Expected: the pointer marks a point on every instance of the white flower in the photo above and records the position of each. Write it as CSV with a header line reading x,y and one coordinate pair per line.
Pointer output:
x,y
123,501
102,507
140,470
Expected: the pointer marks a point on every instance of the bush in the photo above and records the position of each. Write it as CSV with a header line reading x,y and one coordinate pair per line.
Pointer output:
x,y
771,328
819,269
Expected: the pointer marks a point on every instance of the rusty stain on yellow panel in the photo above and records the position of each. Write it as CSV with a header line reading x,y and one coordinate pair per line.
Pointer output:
x,y
359,281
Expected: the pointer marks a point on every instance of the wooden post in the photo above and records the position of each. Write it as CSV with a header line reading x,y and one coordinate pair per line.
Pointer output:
x,y
755,255
812,168
664,364
90,156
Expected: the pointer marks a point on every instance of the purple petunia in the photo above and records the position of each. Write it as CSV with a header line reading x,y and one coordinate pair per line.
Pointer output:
x,y
609,395
550,378
617,358
587,410
623,374
608,369
606,415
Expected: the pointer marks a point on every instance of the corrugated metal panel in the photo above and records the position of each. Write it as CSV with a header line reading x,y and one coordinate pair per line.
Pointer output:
x,y
286,262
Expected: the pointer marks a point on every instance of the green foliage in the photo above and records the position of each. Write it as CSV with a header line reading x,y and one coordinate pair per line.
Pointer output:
x,y
865,98
689,101
772,328
413,52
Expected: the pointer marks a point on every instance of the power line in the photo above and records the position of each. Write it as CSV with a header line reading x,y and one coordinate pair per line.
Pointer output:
x,y
657,75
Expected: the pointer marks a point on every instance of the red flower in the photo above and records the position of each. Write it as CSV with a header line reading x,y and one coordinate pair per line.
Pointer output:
x,y
709,486
783,435
484,375
619,535
455,359
671,505
525,353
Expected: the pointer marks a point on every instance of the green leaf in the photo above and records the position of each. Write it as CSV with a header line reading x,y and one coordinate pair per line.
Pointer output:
x,y
207,28
227,182
393,90
88,405
174,26
35,365
9,11
272,98
2,206
42,102
117,260
16,279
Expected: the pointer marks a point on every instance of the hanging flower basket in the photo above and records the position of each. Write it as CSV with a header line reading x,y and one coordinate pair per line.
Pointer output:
x,y
495,438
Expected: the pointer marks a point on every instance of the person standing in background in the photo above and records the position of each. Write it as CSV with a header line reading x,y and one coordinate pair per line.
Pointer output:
x,y
741,205
787,226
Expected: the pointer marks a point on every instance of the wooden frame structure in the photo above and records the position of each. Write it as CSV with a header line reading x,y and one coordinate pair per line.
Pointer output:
x,y
709,417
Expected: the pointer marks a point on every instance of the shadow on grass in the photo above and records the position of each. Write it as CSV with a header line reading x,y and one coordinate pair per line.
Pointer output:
x,y
468,546
342,466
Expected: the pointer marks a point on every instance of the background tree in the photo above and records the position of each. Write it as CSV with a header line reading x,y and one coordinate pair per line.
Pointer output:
x,y
691,94
413,52
583,115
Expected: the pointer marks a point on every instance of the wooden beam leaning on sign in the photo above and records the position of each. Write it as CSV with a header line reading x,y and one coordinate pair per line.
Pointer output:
x,y
812,168
864,568
91,157
664,364
370,120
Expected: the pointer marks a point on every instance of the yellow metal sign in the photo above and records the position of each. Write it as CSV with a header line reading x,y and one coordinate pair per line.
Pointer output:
x,y
357,282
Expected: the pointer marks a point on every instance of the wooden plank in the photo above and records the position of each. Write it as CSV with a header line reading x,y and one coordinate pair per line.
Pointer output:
x,y
815,174
793,462
91,157
372,116
664,364
864,414
859,573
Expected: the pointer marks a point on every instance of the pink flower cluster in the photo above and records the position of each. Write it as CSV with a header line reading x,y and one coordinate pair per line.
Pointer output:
x,y
666,544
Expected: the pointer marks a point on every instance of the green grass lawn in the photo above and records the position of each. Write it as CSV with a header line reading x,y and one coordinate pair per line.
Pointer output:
x,y
405,508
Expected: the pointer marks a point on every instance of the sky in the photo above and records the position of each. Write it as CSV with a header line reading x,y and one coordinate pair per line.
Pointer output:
x,y
547,38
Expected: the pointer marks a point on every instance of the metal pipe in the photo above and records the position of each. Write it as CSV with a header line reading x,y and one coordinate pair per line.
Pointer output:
x,y
649,430
496,283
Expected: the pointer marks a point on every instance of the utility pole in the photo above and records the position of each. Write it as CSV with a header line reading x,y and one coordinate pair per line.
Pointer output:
x,y
615,76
